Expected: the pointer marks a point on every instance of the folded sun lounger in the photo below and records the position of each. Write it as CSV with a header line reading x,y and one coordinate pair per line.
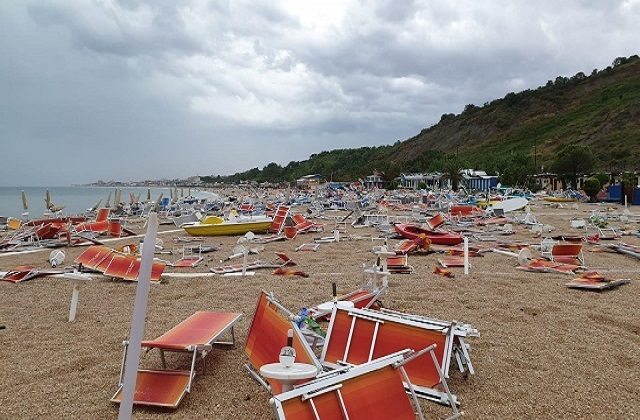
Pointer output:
x,y
268,334
195,335
372,391
357,336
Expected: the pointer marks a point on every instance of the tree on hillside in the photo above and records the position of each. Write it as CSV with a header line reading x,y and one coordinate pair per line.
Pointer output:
x,y
571,161
451,166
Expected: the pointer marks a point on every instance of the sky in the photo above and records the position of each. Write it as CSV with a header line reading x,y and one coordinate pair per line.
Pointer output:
x,y
133,90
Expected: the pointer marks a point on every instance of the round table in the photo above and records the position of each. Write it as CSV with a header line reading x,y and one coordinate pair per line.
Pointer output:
x,y
287,376
328,306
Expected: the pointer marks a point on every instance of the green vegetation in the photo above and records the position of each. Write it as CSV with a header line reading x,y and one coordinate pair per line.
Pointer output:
x,y
592,187
571,161
514,136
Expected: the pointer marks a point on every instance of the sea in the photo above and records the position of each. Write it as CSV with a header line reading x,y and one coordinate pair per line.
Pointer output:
x,y
74,199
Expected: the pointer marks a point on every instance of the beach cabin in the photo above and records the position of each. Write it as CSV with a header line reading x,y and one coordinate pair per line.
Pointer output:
x,y
478,180
374,180
309,181
548,182
431,181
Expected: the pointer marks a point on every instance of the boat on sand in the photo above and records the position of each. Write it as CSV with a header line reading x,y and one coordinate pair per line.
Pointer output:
x,y
217,226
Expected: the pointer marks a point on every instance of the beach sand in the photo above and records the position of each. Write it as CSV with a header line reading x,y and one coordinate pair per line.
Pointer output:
x,y
545,351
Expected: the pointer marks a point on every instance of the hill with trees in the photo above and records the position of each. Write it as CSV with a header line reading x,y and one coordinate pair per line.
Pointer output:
x,y
514,136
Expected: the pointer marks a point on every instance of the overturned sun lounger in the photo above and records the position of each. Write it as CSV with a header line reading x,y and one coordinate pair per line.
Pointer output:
x,y
596,282
357,336
282,260
372,391
195,335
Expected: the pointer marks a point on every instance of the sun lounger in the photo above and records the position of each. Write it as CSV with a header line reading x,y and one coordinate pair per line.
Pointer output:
x,y
436,221
279,219
372,391
308,247
27,272
399,264
569,253
357,336
103,214
268,334
544,266
282,260
364,297
115,264
195,335
191,256
303,225
443,272
447,262
596,282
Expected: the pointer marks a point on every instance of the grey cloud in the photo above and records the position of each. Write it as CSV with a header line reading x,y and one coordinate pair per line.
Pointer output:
x,y
136,89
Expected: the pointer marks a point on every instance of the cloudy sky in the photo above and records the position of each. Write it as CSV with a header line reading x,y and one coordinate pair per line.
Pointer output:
x,y
130,90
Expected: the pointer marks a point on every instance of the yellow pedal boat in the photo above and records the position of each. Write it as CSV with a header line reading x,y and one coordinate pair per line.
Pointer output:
x,y
217,226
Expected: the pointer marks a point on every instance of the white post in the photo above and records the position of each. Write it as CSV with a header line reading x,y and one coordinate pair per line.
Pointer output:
x,y
74,303
137,323
336,235
466,255
245,253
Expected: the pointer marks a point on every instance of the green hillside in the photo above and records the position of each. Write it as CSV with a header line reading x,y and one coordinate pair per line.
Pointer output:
x,y
601,111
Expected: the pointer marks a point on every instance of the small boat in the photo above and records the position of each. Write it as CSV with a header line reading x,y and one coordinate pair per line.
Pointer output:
x,y
217,226
436,237
560,199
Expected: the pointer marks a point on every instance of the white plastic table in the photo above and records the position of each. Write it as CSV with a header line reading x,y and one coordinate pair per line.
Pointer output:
x,y
328,306
287,376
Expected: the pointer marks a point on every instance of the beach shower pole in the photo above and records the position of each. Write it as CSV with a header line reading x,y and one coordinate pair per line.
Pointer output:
x,y
137,323
466,255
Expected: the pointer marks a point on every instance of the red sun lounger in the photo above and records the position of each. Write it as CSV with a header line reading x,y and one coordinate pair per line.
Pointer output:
x,y
27,272
93,256
196,335
268,334
357,336
596,282
399,265
436,221
544,266
96,227
447,262
103,214
570,253
365,297
373,391
279,219
282,260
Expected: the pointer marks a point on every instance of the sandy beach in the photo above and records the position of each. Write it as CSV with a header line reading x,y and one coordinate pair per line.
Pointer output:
x,y
545,351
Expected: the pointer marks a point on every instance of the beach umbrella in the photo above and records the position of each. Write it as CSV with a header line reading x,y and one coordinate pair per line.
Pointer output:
x,y
47,198
25,204
181,192
157,205
138,198
108,203
116,199
148,194
95,207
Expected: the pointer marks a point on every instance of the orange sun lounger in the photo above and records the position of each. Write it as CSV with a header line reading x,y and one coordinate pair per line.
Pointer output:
x,y
196,335
373,391
568,253
279,219
115,264
268,334
357,336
